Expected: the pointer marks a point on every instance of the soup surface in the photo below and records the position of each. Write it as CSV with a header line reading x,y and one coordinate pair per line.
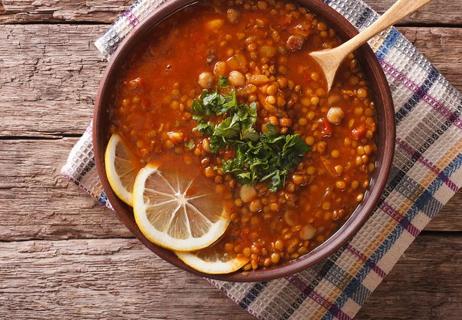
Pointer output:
x,y
226,90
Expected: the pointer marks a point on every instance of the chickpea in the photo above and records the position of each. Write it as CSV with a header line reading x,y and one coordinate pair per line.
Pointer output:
x,y
306,102
315,76
271,90
333,99
232,15
285,122
340,185
273,120
175,136
314,101
335,115
281,101
279,245
309,140
219,188
205,80
205,162
270,99
338,169
335,154
371,167
307,232
322,26
274,207
209,172
282,82
362,93
247,193
236,79
169,144
262,5
311,170
255,205
215,24
206,145
321,146
267,51
220,68
229,247
275,258
259,79
298,179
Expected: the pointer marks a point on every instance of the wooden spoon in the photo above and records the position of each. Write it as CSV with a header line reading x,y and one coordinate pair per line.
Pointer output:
x,y
330,59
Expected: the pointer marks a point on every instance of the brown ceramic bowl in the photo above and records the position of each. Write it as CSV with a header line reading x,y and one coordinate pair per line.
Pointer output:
x,y
385,142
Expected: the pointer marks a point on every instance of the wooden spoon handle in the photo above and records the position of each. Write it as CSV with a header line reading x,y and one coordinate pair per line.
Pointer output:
x,y
398,11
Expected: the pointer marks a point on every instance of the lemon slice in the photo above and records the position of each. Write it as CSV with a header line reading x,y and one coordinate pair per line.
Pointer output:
x,y
177,208
212,262
120,169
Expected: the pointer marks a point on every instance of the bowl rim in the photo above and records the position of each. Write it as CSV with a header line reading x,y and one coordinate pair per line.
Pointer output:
x,y
385,141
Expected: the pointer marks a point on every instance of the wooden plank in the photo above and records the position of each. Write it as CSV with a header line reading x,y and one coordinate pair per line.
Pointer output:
x,y
37,203
101,279
119,278
105,11
30,11
437,12
425,284
51,73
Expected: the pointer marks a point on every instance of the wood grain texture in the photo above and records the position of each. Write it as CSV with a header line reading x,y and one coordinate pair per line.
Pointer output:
x,y
105,11
101,279
437,12
47,87
48,84
37,203
120,279
30,11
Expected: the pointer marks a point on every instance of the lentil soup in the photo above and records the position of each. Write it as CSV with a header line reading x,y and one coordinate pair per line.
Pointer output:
x,y
227,90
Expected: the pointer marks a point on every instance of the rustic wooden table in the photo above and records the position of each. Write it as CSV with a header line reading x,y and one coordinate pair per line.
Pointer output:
x,y
63,256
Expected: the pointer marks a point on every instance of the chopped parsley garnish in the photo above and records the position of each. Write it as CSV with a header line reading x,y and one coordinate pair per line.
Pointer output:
x,y
223,82
190,145
236,126
260,157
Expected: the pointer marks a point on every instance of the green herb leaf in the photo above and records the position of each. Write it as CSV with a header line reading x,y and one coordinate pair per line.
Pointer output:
x,y
223,82
267,157
190,144
270,159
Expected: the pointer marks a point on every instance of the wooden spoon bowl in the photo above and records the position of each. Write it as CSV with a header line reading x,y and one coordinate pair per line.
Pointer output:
x,y
385,142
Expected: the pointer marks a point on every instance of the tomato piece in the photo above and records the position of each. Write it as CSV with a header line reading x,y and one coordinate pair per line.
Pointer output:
x,y
359,132
326,128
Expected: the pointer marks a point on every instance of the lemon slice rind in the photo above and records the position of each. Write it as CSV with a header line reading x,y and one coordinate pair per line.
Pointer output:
x,y
113,176
212,267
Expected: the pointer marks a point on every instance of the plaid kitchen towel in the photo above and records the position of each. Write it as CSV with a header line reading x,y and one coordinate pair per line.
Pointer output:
x,y
426,173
